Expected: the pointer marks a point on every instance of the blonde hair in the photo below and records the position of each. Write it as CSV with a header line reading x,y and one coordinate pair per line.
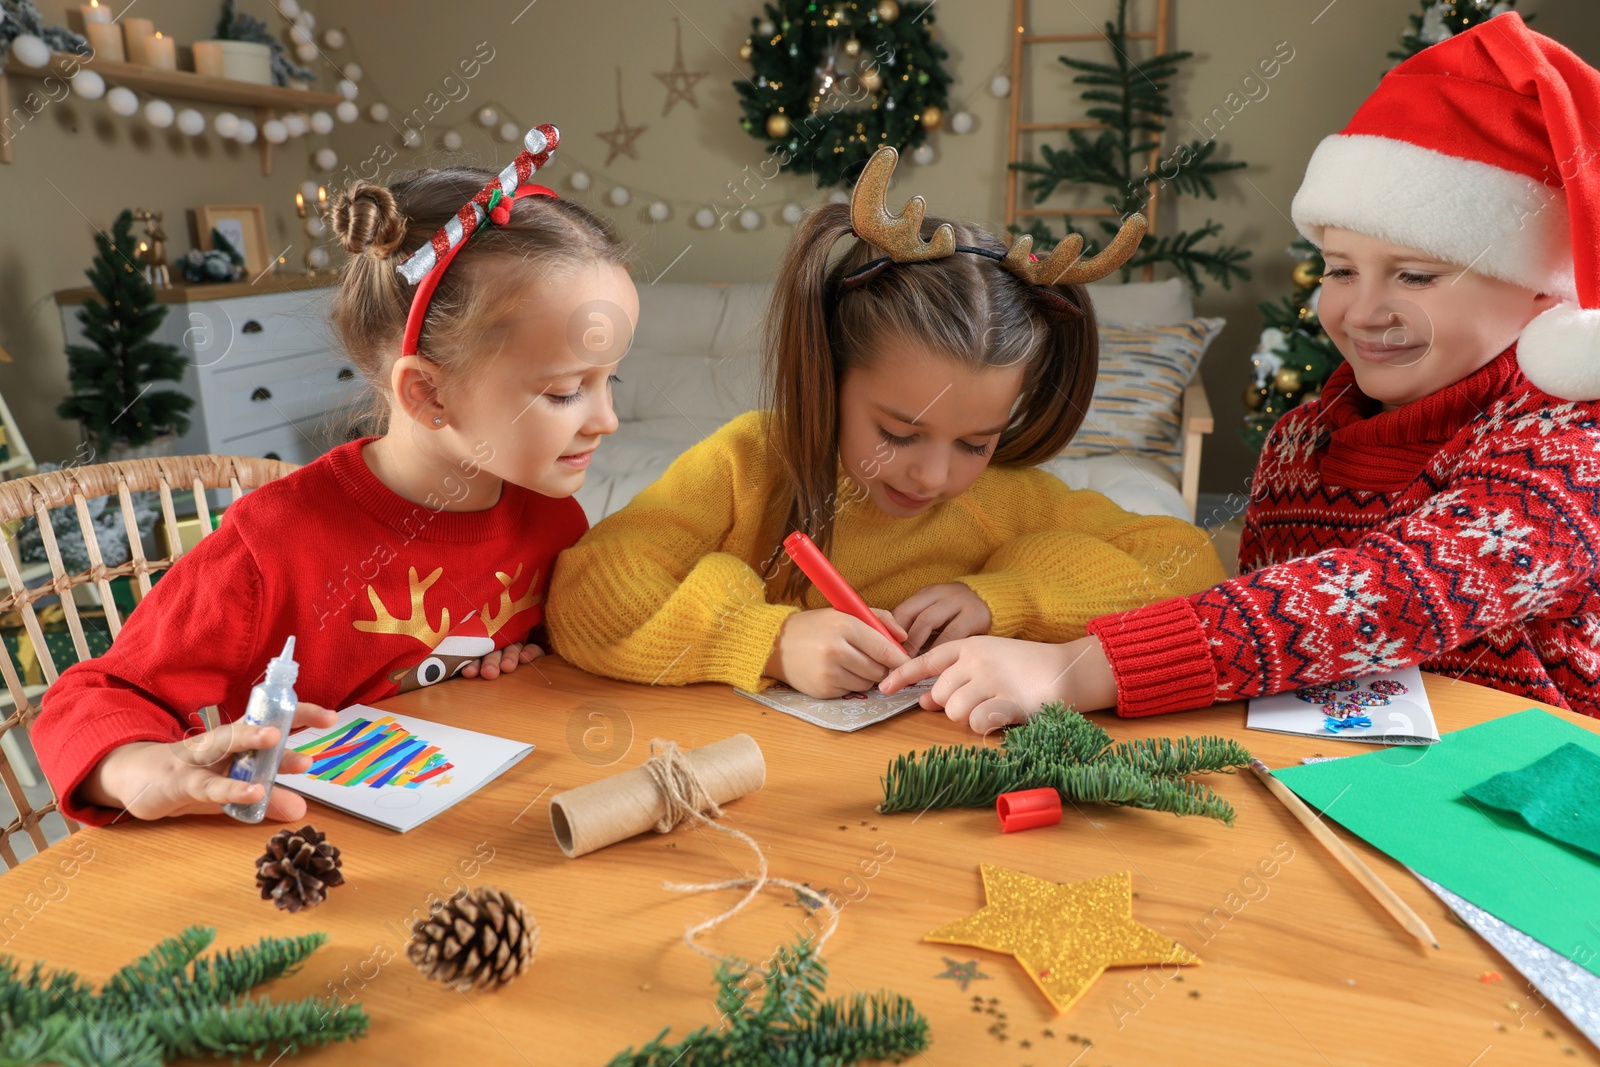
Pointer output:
x,y
963,306
379,226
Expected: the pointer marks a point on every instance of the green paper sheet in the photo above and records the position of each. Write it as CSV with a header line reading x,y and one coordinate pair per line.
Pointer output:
x,y
1412,804
1556,795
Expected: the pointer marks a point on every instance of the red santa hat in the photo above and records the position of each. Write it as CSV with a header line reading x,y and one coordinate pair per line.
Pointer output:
x,y
1479,150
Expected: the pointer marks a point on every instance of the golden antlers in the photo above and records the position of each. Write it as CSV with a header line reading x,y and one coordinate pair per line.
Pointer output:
x,y
1065,265
899,235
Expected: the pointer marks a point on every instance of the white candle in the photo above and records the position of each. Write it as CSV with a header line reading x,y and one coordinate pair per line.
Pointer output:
x,y
134,31
106,40
161,52
93,12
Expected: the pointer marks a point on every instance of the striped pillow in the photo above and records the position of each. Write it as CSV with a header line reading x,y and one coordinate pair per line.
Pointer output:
x,y
1137,397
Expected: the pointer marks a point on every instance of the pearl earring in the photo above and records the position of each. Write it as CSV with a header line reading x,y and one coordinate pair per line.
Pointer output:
x,y
438,420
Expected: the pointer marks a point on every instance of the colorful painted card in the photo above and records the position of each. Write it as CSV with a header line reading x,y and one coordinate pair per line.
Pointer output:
x,y
394,770
846,713
1383,709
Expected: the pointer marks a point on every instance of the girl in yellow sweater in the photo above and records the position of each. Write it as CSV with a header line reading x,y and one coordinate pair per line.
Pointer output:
x,y
913,386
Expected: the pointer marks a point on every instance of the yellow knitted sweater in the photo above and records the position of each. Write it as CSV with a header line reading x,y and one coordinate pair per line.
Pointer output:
x,y
668,590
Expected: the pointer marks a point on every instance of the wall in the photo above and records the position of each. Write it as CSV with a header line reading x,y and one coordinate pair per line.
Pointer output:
x,y
556,61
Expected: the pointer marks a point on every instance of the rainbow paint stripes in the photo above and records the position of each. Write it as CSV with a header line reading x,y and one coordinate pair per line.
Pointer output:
x,y
376,753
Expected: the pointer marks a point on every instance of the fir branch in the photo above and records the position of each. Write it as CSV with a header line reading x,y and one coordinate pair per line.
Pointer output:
x,y
1060,749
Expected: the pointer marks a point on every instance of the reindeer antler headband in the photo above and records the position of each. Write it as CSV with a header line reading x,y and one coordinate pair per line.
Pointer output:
x,y
424,267
901,236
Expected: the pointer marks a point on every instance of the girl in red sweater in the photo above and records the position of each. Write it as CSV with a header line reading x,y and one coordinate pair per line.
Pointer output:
x,y
1440,504
487,315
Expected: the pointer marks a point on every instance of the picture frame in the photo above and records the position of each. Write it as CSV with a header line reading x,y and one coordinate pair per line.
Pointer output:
x,y
243,224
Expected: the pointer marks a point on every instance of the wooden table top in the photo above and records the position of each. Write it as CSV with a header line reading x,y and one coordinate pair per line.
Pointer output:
x,y
1299,968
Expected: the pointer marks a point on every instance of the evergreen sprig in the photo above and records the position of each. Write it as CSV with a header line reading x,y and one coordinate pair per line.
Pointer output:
x,y
1131,98
169,1003
1060,749
791,1026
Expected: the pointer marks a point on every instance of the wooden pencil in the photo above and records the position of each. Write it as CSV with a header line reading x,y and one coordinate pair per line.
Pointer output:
x,y
1410,920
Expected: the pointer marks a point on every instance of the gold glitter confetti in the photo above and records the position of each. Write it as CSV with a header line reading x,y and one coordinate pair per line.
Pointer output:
x,y
1064,936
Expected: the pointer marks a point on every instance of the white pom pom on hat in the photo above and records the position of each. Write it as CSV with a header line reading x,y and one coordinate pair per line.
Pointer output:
x,y
1476,150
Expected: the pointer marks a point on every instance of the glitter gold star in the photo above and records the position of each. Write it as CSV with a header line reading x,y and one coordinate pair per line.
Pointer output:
x,y
1064,936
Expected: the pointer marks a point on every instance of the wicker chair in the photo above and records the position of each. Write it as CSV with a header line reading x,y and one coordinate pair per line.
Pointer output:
x,y
37,494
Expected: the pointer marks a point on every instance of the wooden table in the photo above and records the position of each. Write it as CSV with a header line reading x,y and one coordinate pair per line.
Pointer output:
x,y
1299,968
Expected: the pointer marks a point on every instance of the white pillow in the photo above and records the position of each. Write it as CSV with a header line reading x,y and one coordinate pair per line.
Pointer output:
x,y
1141,303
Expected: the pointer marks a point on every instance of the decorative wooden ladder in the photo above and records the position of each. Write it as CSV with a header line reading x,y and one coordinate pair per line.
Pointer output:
x,y
1020,39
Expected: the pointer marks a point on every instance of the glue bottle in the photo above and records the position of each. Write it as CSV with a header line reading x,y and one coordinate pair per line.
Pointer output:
x,y
271,703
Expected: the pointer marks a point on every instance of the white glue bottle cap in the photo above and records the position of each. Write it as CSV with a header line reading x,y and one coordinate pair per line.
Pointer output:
x,y
282,669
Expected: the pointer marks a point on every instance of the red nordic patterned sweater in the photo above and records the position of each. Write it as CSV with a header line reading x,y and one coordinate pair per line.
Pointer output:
x,y
1460,533
382,595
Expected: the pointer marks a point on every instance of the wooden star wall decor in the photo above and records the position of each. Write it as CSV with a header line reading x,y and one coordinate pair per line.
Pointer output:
x,y
622,136
1065,936
680,81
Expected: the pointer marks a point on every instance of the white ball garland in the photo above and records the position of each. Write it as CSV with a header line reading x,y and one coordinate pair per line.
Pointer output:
x,y
308,191
792,213
159,114
191,122
306,53
347,112
838,196
749,218
296,124
299,34
510,132
321,123
411,138
705,218
488,116
30,50
353,71
275,131
378,112
961,122
922,154
226,123
317,258
89,85
660,211
121,101
315,227
247,132
349,89
620,196
1000,86
579,180
452,140
333,37
326,158
290,9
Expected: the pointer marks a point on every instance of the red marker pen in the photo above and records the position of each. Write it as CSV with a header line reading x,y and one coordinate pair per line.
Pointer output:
x,y
831,584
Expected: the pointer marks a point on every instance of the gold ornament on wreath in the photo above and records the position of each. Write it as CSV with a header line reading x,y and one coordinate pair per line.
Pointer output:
x,y
778,126
932,116
1305,274
888,10
1287,380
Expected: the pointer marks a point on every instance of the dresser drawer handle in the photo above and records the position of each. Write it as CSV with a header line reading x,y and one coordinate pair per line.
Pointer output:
x,y
250,326
261,393
271,455
345,374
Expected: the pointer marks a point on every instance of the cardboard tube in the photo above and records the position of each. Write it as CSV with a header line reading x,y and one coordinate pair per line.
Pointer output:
x,y
616,808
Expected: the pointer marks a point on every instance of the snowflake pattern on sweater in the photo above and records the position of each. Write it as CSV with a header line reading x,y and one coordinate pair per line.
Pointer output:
x,y
1460,533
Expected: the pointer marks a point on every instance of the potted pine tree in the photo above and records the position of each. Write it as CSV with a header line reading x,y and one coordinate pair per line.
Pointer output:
x,y
122,415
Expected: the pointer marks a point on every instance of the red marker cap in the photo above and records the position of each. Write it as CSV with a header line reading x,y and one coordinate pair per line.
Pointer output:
x,y
1028,809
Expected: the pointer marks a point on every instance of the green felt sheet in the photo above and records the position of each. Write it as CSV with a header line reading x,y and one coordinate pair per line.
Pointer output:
x,y
1412,804
1556,795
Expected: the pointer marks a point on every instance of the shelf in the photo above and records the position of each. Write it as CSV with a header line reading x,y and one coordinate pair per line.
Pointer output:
x,y
267,100
185,292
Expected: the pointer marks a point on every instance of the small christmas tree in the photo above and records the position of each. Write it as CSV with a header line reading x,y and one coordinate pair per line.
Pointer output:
x,y
167,1005
1295,355
792,1024
111,394
1443,19
1130,98
1060,749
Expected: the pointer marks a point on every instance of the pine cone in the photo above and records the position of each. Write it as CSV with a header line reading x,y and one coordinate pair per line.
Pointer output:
x,y
480,938
298,868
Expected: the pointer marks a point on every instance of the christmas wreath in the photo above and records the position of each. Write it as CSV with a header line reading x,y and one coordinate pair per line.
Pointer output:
x,y
835,81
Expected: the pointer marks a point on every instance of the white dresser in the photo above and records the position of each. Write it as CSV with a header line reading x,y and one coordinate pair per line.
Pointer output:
x,y
262,367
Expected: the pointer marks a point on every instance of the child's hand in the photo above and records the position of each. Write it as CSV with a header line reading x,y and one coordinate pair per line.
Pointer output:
x,y
951,607
826,653
151,780
502,661
988,682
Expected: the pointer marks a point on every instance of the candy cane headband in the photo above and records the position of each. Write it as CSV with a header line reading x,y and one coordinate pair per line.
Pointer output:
x,y
424,267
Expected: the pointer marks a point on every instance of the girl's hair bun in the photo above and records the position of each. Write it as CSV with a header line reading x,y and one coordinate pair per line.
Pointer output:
x,y
367,221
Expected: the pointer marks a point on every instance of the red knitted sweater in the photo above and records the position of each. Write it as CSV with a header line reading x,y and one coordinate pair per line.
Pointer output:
x,y
1460,532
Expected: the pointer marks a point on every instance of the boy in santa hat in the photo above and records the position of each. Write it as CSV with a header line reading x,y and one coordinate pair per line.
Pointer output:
x,y
1439,505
